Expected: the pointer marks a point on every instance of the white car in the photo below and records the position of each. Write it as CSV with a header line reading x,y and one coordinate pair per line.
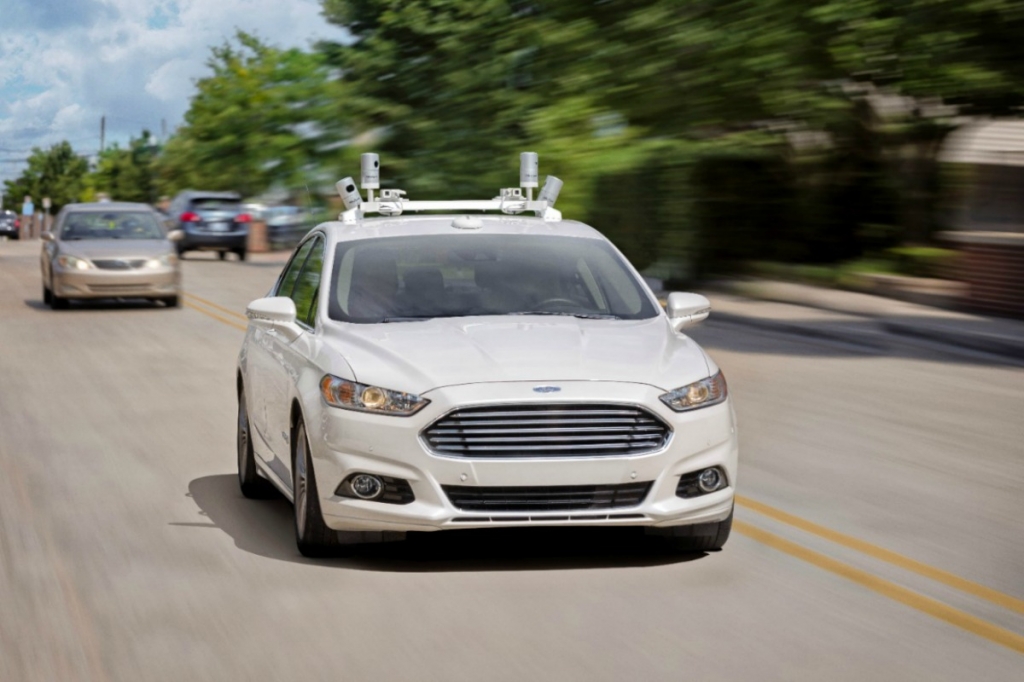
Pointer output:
x,y
438,372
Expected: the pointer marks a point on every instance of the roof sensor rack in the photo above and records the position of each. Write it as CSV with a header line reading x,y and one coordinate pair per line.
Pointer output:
x,y
393,202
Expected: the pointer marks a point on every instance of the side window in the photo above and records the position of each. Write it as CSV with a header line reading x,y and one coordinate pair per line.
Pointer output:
x,y
291,271
308,283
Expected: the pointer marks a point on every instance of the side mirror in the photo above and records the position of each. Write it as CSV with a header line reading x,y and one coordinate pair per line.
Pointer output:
x,y
274,313
685,309
175,235
48,236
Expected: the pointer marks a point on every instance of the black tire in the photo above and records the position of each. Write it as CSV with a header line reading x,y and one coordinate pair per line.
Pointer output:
x,y
252,484
59,302
313,537
241,254
171,301
700,537
47,295
181,252
222,254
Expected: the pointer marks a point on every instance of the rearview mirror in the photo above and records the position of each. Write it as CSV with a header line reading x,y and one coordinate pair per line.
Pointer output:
x,y
274,313
686,309
176,235
47,236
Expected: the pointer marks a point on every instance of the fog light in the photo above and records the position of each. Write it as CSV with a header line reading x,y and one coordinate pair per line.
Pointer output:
x,y
709,480
366,486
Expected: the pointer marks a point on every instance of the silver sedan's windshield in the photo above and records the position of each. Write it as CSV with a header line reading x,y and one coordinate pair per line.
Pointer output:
x,y
399,279
110,225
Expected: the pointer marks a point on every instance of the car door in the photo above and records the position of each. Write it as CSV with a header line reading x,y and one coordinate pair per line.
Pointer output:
x,y
261,369
293,357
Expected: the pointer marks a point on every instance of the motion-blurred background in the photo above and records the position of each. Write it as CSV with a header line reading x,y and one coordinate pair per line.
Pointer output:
x,y
836,142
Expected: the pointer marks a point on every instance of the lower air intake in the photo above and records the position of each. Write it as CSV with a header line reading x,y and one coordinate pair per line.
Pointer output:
x,y
547,498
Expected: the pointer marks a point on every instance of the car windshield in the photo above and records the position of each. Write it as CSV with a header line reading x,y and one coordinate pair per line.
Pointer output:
x,y
111,225
399,279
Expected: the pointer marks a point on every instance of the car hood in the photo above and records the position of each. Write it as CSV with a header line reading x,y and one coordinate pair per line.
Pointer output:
x,y
116,248
419,356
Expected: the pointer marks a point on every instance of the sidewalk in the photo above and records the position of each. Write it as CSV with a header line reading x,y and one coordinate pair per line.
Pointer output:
x,y
859,318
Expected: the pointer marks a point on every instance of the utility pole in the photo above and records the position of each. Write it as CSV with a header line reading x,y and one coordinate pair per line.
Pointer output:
x,y
103,131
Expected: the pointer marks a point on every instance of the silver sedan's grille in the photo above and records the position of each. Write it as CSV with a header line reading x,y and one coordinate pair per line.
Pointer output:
x,y
549,430
120,263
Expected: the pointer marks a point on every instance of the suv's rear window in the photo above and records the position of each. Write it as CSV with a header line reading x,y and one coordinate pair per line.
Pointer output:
x,y
396,278
212,204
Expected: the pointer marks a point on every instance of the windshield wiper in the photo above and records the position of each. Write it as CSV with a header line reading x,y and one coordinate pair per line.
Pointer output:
x,y
408,318
582,316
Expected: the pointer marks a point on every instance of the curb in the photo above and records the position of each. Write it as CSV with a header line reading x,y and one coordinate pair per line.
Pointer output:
x,y
865,340
986,343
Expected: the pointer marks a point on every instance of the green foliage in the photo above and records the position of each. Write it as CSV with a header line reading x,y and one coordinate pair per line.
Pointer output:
x,y
126,174
261,118
675,123
57,172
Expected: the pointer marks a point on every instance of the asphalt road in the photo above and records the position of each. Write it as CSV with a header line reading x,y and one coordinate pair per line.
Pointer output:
x,y
878,537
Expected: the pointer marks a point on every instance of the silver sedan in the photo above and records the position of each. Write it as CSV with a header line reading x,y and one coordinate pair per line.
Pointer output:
x,y
109,250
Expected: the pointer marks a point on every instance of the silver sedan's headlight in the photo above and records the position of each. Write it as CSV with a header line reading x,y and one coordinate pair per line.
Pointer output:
x,y
73,262
703,393
350,395
164,261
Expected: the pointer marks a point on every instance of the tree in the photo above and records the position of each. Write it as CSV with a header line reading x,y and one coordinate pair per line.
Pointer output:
x,y
257,120
127,174
58,173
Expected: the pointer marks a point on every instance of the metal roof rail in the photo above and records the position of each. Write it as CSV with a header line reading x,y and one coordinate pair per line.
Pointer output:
x,y
392,202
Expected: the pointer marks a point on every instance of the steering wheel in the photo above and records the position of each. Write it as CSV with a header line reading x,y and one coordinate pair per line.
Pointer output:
x,y
557,301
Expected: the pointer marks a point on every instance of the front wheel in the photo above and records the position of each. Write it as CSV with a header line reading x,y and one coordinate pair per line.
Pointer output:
x,y
59,302
47,295
312,535
241,254
700,537
171,301
252,484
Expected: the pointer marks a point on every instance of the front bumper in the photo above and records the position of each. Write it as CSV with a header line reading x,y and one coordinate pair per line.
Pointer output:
x,y
205,240
99,283
349,442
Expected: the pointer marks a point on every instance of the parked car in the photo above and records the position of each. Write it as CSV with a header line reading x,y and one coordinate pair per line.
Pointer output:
x,y
439,372
211,221
286,225
10,224
109,250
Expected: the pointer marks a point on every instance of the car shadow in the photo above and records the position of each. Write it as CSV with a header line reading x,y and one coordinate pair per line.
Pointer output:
x,y
265,528
97,304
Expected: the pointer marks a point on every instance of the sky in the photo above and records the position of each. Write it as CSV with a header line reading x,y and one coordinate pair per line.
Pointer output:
x,y
66,63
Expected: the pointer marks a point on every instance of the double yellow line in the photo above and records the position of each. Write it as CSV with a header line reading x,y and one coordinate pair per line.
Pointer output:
x,y
886,588
217,312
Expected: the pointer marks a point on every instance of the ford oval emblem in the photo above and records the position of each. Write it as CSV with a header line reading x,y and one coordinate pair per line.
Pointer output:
x,y
546,389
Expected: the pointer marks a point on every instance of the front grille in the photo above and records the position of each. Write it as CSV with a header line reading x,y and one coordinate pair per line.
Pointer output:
x,y
549,430
120,264
117,288
546,498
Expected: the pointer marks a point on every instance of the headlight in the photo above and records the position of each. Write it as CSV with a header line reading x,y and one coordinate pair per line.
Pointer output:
x,y
703,393
349,395
73,262
164,261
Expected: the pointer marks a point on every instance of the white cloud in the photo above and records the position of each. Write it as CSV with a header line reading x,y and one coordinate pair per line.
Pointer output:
x,y
66,63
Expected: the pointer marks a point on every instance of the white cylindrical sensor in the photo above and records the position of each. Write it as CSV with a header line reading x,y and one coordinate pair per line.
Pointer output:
x,y
349,193
370,164
549,193
528,165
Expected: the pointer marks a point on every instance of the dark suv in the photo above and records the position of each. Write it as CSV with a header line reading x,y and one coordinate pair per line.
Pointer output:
x,y
10,225
211,221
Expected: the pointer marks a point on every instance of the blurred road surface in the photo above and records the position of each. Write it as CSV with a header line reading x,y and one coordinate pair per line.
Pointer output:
x,y
879,535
